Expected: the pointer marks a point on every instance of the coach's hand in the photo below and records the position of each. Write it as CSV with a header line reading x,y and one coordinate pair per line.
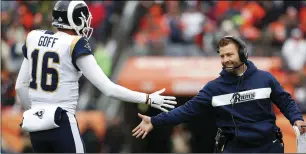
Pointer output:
x,y
160,102
301,125
144,127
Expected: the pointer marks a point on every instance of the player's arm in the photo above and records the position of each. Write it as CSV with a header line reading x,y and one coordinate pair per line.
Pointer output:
x,y
22,82
284,101
86,62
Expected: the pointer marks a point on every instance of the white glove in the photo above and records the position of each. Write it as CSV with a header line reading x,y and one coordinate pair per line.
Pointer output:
x,y
160,102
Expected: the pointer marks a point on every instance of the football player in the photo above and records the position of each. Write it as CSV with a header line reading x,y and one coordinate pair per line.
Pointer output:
x,y
47,83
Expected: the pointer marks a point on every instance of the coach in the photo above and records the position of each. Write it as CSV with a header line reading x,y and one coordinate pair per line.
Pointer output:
x,y
240,99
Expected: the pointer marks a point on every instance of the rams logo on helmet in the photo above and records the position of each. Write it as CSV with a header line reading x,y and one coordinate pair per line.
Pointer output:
x,y
73,15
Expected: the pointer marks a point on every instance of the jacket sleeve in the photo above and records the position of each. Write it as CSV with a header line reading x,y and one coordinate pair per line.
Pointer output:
x,y
184,113
284,101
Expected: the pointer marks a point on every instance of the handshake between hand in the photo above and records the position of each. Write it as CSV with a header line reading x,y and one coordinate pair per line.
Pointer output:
x,y
161,102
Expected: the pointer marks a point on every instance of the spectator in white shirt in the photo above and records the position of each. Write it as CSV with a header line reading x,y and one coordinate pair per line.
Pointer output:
x,y
294,51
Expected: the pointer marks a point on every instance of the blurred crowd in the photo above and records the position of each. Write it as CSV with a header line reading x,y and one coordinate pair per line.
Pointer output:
x,y
181,24
173,28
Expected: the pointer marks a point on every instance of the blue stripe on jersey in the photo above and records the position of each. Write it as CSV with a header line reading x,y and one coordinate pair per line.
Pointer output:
x,y
49,32
82,47
25,50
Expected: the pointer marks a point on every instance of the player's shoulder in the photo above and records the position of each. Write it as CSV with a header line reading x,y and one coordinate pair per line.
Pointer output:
x,y
80,42
81,39
79,46
38,32
77,39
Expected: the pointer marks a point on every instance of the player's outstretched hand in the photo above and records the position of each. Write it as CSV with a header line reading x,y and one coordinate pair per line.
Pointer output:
x,y
144,127
161,102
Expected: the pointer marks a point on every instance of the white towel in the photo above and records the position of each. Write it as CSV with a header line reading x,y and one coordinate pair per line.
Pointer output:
x,y
300,139
39,119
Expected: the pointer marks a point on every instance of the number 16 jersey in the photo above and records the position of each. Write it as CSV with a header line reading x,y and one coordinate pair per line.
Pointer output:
x,y
53,71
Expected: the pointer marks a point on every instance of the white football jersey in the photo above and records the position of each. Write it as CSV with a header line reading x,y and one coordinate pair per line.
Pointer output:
x,y
53,72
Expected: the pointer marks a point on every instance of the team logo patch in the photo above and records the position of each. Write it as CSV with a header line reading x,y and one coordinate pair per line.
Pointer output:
x,y
242,97
87,46
40,113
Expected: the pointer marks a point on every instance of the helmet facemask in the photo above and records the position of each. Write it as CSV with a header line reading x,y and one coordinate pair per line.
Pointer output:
x,y
84,28
87,30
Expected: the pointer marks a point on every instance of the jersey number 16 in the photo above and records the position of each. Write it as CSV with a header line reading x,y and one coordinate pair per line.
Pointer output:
x,y
46,71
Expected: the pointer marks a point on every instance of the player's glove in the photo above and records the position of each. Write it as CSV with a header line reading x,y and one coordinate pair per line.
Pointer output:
x,y
161,102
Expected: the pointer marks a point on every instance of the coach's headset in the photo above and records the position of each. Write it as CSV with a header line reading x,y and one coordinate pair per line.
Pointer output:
x,y
242,51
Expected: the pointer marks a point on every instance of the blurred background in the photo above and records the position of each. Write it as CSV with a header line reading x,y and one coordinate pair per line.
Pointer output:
x,y
149,45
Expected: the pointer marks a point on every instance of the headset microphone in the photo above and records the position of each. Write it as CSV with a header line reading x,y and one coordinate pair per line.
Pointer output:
x,y
224,67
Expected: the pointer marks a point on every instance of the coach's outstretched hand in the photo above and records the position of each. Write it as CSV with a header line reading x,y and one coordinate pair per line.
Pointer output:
x,y
161,102
144,127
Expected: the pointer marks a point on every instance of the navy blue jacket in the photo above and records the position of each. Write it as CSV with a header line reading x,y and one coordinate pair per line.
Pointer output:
x,y
246,114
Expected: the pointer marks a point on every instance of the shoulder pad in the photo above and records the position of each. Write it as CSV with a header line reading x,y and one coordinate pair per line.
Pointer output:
x,y
79,46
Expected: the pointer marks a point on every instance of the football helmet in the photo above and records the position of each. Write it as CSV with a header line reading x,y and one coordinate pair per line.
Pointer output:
x,y
73,15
